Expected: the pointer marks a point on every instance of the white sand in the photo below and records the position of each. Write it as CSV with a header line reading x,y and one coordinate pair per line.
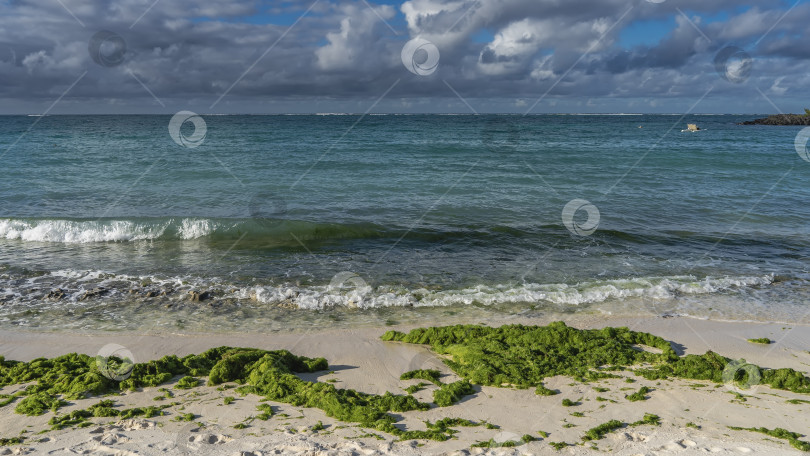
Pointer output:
x,y
365,363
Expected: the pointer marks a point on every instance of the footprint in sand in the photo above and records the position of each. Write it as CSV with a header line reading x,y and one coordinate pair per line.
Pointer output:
x,y
210,439
110,438
673,446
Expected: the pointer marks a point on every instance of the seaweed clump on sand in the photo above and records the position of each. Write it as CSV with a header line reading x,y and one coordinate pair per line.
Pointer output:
x,y
271,374
522,356
431,375
779,433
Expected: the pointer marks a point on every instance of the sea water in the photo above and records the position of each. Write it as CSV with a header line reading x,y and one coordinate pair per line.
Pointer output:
x,y
273,222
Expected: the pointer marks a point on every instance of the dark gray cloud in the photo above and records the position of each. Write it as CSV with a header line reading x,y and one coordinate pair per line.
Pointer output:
x,y
499,55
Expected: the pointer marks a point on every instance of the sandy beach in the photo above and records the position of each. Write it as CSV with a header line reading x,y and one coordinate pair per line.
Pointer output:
x,y
694,416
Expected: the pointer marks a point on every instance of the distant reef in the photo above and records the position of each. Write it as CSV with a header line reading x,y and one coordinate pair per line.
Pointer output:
x,y
782,119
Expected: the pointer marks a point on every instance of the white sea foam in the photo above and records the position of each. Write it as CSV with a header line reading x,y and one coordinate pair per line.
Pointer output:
x,y
79,232
562,295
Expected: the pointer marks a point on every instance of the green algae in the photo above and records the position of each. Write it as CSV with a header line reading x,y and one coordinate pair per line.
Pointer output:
x,y
6,399
797,401
187,382
185,417
541,390
761,340
639,395
228,400
779,433
6,441
431,375
102,409
415,388
569,403
528,438
270,374
599,432
558,445
450,393
267,412
38,403
523,356
649,419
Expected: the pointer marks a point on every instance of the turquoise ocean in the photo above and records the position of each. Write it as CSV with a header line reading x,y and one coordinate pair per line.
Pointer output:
x,y
306,221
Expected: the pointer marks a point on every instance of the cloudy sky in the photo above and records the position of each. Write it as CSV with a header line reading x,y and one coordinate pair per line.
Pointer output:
x,y
538,56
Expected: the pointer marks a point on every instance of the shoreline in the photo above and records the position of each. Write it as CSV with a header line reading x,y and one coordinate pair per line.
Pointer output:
x,y
363,362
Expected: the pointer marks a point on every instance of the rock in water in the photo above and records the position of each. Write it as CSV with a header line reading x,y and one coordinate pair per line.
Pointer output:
x,y
781,119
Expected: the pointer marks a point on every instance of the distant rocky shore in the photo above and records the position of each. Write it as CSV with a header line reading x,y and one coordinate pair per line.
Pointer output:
x,y
782,119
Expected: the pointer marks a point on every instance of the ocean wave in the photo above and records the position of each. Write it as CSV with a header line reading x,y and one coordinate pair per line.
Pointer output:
x,y
360,295
349,290
90,231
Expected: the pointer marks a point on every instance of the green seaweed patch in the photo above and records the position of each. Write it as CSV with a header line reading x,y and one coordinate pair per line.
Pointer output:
x,y
528,438
779,433
431,375
599,432
541,390
228,400
711,366
543,434
558,445
185,417
491,443
569,403
7,441
693,425
6,399
267,412
103,409
761,340
188,382
450,393
416,388
639,395
522,356
649,419
39,403
797,401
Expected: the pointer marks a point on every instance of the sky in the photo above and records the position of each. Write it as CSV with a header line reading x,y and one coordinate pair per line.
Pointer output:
x,y
417,56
